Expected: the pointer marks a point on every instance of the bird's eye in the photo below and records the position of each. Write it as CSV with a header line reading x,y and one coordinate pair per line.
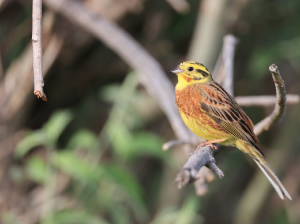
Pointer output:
x,y
190,69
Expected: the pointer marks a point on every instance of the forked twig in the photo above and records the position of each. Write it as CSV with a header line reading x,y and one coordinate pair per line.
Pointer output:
x,y
37,49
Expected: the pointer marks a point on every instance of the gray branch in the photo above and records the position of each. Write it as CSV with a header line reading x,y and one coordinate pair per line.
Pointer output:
x,y
37,49
265,101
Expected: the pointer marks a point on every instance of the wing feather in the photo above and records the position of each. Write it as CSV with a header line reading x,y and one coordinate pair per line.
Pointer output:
x,y
223,109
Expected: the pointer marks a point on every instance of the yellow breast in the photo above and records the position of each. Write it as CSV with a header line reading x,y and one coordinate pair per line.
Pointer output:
x,y
188,101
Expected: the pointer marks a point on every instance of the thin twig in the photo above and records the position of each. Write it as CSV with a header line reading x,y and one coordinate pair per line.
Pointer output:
x,y
265,101
278,111
14,88
37,49
223,71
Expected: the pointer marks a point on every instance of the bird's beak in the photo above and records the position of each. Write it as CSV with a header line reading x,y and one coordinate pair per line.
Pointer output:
x,y
176,70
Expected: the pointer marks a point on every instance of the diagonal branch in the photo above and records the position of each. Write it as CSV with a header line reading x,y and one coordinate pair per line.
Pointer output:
x,y
150,73
37,49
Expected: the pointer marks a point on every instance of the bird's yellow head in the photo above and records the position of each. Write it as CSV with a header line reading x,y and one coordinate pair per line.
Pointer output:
x,y
191,72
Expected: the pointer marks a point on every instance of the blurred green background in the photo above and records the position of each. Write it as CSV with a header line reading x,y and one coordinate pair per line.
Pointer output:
x,y
92,153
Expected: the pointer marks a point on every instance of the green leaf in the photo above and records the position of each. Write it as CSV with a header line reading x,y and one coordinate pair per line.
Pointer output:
x,y
32,140
75,217
130,186
188,211
37,170
147,143
109,92
57,123
121,139
83,139
76,167
167,216
119,214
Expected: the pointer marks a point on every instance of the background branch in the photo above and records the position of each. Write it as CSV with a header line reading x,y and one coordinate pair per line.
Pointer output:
x,y
37,49
265,101
228,60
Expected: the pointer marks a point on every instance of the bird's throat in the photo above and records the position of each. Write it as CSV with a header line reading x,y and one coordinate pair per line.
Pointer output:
x,y
183,82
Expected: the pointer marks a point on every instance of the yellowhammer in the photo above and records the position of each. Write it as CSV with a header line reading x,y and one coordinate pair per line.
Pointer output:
x,y
211,113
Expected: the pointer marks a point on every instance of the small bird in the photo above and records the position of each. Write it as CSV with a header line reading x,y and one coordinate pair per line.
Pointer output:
x,y
212,113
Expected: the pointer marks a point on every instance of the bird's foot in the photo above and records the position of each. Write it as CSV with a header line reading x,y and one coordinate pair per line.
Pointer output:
x,y
206,143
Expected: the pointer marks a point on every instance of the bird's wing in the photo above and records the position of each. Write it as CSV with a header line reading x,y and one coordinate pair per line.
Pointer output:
x,y
223,109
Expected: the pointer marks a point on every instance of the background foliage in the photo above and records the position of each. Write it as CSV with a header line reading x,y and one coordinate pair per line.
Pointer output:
x,y
92,153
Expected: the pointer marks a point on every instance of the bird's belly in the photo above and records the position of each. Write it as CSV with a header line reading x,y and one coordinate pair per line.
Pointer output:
x,y
203,126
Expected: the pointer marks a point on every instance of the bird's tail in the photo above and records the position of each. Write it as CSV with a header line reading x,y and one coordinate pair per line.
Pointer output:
x,y
263,164
270,174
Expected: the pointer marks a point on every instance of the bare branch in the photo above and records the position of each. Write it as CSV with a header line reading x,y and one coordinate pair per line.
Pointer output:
x,y
204,175
14,88
37,49
1,3
223,71
203,157
265,101
278,111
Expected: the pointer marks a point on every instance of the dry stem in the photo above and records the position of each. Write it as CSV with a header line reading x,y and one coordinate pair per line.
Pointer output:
x,y
37,49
